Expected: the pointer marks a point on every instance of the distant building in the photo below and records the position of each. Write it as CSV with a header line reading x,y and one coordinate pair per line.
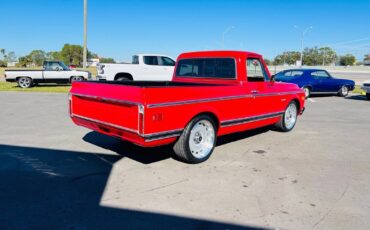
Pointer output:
x,y
367,59
92,61
12,64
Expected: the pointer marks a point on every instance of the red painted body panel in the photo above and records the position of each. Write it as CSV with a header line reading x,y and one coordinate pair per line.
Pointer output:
x,y
152,116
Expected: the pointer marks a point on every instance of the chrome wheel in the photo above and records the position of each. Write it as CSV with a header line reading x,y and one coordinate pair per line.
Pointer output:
x,y
344,91
76,79
306,92
290,116
24,82
201,139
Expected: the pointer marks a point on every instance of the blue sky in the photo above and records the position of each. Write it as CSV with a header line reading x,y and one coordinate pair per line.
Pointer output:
x,y
121,28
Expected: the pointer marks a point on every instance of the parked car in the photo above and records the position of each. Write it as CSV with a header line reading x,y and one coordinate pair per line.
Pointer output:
x,y
212,94
366,87
144,67
52,72
316,81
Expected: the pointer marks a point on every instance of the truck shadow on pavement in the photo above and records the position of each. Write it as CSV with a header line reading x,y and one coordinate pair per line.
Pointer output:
x,y
57,189
155,154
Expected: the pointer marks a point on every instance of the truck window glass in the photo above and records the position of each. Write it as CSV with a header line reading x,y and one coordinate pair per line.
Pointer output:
x,y
51,66
135,59
289,75
207,68
255,71
151,60
165,61
320,75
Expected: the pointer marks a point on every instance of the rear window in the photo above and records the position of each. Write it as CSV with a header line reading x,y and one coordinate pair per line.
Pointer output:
x,y
207,68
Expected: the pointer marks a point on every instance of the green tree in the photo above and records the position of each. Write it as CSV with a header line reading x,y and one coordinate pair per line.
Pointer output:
x,y
3,52
3,63
289,57
347,59
37,57
10,57
109,60
53,56
311,56
72,54
327,55
24,61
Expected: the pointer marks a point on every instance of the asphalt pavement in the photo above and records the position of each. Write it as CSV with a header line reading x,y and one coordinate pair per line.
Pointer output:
x,y
55,175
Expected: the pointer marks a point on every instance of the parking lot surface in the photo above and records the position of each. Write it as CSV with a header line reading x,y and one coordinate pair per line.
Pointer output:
x,y
56,175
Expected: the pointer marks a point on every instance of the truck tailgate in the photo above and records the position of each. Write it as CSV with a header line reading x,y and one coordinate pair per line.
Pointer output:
x,y
114,106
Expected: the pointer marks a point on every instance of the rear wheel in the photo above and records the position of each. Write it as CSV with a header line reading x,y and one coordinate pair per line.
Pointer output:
x,y
368,96
289,118
197,141
344,91
123,79
76,78
25,82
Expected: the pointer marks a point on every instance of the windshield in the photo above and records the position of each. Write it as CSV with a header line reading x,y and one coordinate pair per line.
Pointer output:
x,y
63,66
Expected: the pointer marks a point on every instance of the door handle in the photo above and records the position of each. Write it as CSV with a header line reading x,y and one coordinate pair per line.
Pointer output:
x,y
254,91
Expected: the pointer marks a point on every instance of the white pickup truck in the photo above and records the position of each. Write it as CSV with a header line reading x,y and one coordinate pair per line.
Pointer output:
x,y
144,67
52,72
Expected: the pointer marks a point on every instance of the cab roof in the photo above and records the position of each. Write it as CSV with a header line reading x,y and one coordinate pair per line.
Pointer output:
x,y
218,53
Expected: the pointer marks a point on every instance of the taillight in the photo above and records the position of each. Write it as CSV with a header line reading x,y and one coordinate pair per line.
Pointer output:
x,y
141,119
101,69
70,104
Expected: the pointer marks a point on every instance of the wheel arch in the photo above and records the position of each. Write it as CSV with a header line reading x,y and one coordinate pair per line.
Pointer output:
x,y
123,74
17,78
212,115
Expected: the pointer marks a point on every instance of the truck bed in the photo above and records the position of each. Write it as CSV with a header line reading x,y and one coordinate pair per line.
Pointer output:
x,y
143,111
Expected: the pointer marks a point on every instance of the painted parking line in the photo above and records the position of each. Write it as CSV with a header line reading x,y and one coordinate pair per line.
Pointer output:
x,y
311,100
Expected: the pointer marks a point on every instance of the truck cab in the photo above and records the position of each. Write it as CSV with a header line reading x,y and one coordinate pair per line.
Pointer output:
x,y
144,67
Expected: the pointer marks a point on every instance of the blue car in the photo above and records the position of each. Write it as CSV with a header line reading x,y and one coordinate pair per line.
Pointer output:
x,y
316,81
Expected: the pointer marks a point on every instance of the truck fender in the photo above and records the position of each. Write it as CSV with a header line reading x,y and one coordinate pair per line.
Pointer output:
x,y
209,112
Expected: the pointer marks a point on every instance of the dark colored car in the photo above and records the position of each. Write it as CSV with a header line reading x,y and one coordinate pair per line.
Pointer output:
x,y
316,81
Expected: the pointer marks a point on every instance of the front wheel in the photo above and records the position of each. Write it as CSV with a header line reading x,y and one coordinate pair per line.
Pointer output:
x,y
344,91
307,92
25,82
368,96
197,141
289,118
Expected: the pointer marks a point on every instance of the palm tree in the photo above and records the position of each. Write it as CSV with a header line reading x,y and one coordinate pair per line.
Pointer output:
x,y
2,51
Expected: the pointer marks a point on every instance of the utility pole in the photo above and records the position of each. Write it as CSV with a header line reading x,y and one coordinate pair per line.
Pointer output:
x,y
85,35
223,35
302,39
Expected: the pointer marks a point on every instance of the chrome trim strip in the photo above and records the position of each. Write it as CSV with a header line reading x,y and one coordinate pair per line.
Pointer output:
x,y
250,119
218,99
324,92
197,101
106,123
105,99
162,135
275,94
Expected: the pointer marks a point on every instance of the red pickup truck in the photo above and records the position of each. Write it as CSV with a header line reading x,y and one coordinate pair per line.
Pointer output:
x,y
212,94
